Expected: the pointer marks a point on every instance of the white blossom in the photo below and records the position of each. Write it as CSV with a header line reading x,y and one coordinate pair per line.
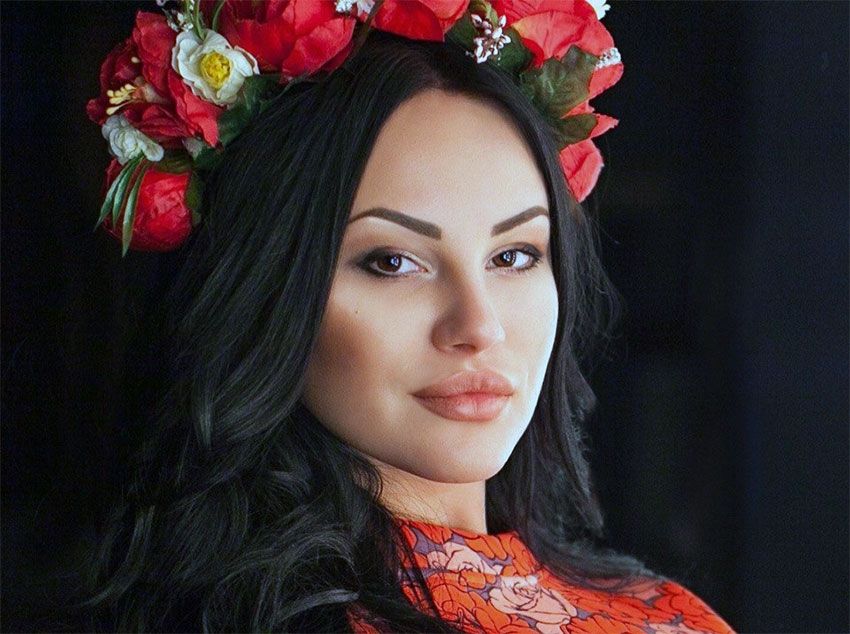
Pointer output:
x,y
364,7
600,6
194,146
213,69
609,58
492,39
127,143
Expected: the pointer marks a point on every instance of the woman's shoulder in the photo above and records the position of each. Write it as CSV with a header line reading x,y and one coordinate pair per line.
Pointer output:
x,y
679,600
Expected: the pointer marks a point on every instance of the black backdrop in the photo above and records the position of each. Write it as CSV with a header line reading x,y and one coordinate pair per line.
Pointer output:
x,y
721,441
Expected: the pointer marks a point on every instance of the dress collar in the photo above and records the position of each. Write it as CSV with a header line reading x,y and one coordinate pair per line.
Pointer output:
x,y
447,548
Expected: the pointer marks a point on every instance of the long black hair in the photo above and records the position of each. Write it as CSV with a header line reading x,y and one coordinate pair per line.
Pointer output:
x,y
241,511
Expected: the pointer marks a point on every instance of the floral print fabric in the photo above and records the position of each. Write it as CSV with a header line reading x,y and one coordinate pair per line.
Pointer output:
x,y
493,582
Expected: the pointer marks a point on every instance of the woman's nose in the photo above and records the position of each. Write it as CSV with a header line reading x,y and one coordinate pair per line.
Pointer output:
x,y
471,322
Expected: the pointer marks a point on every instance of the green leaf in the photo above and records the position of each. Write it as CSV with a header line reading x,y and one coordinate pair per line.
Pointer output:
x,y
555,88
514,56
130,208
207,159
194,192
106,207
463,32
233,121
579,62
121,192
574,128
175,161
485,10
122,202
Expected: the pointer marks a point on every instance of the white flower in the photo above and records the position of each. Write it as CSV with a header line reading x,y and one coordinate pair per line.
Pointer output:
x,y
492,40
127,143
213,69
364,7
194,146
600,6
343,6
609,58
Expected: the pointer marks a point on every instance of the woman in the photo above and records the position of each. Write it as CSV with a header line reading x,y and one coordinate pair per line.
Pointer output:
x,y
370,374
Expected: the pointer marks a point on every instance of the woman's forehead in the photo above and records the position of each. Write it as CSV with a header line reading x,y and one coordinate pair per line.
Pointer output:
x,y
442,154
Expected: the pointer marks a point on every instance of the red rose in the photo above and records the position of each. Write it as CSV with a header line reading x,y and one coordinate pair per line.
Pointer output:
x,y
162,220
419,19
289,36
151,94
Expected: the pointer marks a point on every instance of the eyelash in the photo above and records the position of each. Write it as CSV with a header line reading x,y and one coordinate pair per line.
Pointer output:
x,y
528,250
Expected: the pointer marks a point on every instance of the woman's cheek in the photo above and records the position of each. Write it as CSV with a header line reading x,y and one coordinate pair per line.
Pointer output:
x,y
535,319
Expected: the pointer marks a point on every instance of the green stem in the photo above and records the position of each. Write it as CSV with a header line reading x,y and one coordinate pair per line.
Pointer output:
x,y
196,17
365,28
214,23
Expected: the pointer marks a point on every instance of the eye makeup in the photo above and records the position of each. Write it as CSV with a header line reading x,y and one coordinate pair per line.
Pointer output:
x,y
396,258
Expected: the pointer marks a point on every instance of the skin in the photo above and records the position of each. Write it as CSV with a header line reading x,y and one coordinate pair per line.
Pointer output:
x,y
460,303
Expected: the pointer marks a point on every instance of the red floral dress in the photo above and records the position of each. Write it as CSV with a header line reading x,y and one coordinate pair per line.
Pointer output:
x,y
494,581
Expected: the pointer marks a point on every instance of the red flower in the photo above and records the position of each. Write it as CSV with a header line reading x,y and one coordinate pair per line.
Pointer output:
x,y
162,220
289,36
548,29
418,19
582,163
148,91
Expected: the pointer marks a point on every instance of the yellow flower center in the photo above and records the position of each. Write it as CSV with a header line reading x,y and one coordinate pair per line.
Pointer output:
x,y
215,69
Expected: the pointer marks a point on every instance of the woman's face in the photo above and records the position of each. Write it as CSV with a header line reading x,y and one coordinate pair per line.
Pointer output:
x,y
446,290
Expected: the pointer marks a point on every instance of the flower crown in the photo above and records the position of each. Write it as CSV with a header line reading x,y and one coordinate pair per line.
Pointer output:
x,y
190,78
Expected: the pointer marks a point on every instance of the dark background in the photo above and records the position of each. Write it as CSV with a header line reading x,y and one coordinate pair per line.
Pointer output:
x,y
721,442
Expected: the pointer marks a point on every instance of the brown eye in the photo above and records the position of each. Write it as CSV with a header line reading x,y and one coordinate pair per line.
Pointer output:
x,y
388,264
392,262
506,257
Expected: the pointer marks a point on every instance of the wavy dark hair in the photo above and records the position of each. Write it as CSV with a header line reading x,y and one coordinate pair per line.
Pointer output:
x,y
240,510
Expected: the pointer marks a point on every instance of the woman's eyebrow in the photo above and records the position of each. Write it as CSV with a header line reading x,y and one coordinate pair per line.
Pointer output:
x,y
433,231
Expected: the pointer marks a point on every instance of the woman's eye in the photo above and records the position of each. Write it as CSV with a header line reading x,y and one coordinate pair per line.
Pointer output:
x,y
528,258
387,264
392,264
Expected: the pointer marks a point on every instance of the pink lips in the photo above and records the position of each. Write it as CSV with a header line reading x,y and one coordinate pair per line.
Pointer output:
x,y
468,396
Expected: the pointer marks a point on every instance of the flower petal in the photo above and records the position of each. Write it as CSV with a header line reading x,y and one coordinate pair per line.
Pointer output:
x,y
154,40
320,34
268,37
200,116
604,78
582,164
409,18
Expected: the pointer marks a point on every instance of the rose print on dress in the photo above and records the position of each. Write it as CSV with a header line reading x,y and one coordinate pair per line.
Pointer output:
x,y
493,582
523,595
456,556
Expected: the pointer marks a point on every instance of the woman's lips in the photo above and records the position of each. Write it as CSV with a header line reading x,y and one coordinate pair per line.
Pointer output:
x,y
471,406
